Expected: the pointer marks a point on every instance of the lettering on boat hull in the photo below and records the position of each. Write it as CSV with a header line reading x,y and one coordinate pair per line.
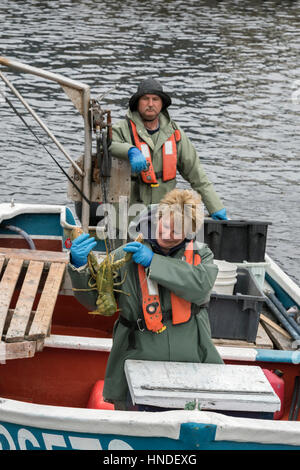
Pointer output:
x,y
13,437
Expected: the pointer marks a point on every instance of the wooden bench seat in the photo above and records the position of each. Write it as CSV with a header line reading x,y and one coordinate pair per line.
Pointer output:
x,y
22,323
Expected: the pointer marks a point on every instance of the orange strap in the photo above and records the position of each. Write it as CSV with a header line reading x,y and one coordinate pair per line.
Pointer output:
x,y
181,308
148,176
169,156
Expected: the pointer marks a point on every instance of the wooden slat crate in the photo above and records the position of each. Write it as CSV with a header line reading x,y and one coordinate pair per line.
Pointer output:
x,y
23,324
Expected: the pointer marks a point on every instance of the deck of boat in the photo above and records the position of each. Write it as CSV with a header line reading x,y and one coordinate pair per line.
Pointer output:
x,y
30,321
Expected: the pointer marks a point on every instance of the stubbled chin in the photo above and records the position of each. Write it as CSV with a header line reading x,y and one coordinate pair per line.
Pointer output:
x,y
149,117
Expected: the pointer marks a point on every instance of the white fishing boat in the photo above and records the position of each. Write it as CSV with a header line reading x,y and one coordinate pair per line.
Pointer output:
x,y
53,354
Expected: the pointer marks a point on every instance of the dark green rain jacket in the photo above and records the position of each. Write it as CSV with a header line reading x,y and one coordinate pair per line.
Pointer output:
x,y
187,342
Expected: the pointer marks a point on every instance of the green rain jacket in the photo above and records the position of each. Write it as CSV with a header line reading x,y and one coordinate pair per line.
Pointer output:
x,y
187,342
188,163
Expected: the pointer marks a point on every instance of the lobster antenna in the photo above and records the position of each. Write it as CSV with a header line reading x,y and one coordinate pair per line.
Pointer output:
x,y
106,248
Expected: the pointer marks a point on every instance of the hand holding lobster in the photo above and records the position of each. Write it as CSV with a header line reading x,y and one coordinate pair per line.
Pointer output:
x,y
102,275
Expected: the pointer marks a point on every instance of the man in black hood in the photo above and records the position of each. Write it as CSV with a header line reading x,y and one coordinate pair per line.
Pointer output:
x,y
157,148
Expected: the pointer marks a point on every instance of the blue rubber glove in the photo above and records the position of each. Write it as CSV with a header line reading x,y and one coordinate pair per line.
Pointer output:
x,y
142,254
220,215
137,160
80,249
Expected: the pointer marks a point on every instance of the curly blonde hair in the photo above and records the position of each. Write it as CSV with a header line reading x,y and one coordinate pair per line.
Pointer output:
x,y
185,206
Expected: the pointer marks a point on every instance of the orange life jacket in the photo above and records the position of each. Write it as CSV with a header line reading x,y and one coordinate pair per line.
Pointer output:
x,y
169,157
181,308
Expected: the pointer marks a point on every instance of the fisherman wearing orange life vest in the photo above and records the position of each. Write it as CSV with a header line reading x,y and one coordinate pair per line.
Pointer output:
x,y
169,280
157,148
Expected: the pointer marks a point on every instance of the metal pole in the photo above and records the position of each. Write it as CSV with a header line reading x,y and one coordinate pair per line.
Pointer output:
x,y
281,308
40,122
43,73
85,98
87,163
285,323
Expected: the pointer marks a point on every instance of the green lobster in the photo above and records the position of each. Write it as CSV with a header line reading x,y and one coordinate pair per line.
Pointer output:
x,y
103,278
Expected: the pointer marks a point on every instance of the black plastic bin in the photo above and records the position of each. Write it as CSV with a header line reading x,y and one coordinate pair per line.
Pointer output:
x,y
236,240
237,316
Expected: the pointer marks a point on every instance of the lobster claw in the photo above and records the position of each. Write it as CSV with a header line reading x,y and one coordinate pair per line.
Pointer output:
x,y
106,305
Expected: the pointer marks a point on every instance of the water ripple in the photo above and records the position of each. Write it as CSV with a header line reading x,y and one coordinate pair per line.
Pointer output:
x,y
232,69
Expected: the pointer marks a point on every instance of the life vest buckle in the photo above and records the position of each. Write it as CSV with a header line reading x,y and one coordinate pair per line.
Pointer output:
x,y
140,324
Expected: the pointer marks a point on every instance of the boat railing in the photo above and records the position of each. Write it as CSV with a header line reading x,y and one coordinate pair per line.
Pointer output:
x,y
79,94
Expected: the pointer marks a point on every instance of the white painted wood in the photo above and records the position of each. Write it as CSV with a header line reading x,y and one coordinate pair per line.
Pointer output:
x,y
105,344
78,342
263,431
283,279
34,237
212,386
237,354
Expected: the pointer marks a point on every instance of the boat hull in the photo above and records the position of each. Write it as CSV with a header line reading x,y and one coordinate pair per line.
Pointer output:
x,y
44,398
41,427
65,372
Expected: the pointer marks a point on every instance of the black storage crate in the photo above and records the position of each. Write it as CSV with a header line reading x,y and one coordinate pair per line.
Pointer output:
x,y
237,316
236,240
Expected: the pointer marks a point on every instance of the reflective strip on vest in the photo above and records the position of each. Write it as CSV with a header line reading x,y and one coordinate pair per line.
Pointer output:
x,y
181,308
151,304
169,159
169,156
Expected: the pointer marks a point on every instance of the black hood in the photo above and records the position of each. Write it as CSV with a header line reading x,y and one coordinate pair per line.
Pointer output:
x,y
152,86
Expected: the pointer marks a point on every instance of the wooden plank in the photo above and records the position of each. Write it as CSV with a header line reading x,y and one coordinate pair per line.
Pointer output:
x,y
37,255
262,341
43,315
21,350
7,287
274,325
20,318
119,184
237,343
2,259
280,341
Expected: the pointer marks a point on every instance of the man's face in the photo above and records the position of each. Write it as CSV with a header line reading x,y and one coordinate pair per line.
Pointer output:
x,y
149,107
169,234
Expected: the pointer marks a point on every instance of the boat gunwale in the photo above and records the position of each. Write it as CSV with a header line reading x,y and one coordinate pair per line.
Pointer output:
x,y
165,424
12,209
226,352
